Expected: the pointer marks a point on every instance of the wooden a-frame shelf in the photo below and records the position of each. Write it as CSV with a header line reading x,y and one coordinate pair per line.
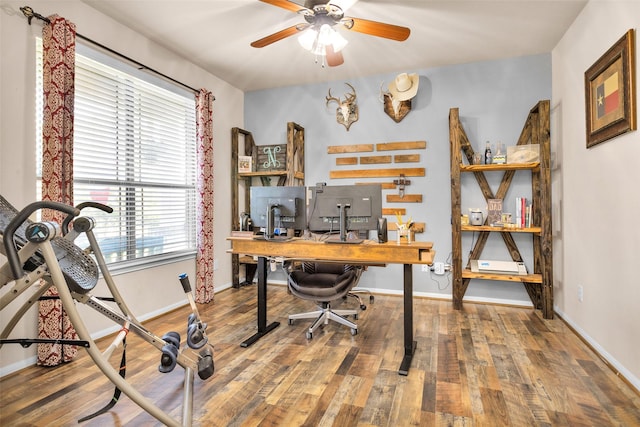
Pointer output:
x,y
292,175
539,284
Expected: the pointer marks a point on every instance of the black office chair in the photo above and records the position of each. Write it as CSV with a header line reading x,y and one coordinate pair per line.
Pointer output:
x,y
324,283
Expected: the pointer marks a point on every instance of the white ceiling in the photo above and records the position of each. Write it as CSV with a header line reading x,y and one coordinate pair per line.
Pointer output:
x,y
216,34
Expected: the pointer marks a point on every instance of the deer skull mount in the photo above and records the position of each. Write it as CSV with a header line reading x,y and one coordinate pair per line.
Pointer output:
x,y
397,100
394,108
347,111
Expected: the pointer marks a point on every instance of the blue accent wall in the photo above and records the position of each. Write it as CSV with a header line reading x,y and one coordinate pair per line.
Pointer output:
x,y
494,99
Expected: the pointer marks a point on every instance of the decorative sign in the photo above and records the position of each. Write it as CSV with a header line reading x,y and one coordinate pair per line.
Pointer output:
x,y
271,157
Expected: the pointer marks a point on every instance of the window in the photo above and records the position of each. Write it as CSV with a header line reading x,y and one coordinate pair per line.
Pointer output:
x,y
134,150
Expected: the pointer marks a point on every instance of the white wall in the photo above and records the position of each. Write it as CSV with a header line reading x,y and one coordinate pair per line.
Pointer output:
x,y
148,292
596,199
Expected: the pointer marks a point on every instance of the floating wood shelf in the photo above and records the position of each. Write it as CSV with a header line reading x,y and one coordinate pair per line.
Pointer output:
x,y
407,198
376,173
358,148
404,145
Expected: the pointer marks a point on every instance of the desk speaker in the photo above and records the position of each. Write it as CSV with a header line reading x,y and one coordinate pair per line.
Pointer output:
x,y
382,230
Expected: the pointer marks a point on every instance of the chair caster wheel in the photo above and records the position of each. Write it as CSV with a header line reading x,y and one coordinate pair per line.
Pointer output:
x,y
355,316
309,335
290,321
205,364
371,299
195,337
354,331
363,307
168,358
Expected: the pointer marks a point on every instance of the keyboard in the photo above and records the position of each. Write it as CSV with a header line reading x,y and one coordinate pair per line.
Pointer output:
x,y
272,239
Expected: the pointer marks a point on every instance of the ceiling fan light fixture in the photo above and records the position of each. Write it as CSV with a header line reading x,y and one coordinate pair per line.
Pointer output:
x,y
338,41
308,38
316,41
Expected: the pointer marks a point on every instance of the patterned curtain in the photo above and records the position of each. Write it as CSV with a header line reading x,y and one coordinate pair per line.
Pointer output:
x,y
204,197
59,48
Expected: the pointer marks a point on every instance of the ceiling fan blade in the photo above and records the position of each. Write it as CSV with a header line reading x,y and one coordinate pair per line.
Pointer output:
x,y
272,38
285,4
333,58
379,29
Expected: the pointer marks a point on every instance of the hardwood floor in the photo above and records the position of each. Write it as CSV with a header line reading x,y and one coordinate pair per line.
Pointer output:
x,y
484,366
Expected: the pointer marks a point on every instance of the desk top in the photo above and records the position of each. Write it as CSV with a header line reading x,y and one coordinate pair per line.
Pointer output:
x,y
367,252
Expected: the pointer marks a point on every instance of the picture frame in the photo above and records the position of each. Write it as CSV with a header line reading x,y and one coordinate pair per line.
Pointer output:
x,y
610,93
245,164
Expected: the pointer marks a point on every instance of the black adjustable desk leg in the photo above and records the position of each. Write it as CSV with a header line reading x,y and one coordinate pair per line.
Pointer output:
x,y
263,329
409,343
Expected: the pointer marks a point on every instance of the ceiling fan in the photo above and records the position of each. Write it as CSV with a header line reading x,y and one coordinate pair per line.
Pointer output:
x,y
322,39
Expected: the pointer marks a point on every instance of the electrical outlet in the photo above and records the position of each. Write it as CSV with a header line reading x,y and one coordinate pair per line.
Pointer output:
x,y
216,264
425,268
580,293
438,268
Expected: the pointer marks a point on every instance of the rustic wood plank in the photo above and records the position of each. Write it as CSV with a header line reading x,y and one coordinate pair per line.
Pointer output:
x,y
407,198
376,173
356,148
406,158
403,145
372,160
346,161
418,227
384,185
393,211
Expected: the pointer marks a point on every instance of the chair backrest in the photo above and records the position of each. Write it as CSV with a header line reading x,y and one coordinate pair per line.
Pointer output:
x,y
326,267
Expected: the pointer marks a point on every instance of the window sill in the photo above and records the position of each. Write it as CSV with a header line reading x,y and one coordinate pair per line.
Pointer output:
x,y
124,267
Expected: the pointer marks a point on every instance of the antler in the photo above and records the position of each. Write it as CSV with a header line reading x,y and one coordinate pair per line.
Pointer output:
x,y
332,98
382,92
349,98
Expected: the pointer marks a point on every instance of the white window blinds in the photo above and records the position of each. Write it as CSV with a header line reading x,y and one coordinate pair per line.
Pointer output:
x,y
135,150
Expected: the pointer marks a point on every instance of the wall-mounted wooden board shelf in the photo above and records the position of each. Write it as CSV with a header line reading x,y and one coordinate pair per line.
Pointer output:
x,y
407,198
403,145
376,173
357,148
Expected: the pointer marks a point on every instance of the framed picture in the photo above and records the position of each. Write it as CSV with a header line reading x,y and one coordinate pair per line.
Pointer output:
x,y
245,164
610,92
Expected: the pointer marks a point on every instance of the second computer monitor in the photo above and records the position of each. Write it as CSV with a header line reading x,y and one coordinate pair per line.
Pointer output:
x,y
341,208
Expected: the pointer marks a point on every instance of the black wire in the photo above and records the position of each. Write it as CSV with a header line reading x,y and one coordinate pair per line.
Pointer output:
x,y
117,392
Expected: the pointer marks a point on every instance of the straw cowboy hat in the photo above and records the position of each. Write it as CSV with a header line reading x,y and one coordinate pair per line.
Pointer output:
x,y
404,87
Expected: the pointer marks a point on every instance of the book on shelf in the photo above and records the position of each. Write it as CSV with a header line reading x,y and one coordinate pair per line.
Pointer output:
x,y
524,213
494,212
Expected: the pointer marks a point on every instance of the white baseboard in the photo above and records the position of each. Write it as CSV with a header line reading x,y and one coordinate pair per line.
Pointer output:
x,y
22,364
604,354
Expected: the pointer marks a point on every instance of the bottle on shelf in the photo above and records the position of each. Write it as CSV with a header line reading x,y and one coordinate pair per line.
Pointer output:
x,y
500,157
488,158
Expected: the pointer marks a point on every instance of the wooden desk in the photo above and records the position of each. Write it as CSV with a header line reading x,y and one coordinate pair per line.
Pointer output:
x,y
365,253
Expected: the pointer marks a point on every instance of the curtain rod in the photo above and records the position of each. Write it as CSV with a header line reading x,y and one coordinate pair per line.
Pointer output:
x,y
29,13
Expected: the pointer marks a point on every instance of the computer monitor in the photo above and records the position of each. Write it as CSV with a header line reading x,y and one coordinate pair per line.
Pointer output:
x,y
344,208
277,208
